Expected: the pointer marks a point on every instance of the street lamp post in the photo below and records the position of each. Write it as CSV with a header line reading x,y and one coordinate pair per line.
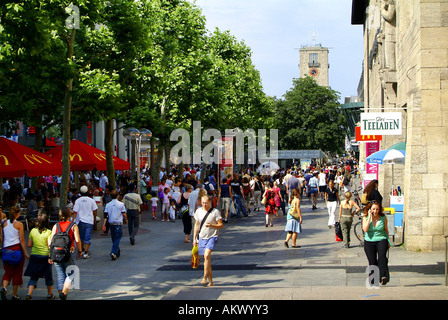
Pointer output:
x,y
138,136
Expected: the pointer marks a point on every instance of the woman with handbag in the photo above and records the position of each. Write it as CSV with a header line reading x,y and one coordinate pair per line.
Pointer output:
x,y
185,212
13,243
294,219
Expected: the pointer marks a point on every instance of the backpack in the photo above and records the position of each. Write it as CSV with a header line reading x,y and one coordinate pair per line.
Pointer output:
x,y
364,200
61,244
246,190
208,189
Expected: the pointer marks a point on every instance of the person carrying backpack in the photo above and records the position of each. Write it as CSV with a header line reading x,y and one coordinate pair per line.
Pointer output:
x,y
64,236
209,187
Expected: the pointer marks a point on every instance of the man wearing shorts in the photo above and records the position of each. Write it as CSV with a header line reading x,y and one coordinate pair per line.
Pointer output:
x,y
225,196
207,236
85,208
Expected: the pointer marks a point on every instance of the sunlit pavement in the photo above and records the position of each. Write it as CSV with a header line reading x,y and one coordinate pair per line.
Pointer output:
x,y
250,262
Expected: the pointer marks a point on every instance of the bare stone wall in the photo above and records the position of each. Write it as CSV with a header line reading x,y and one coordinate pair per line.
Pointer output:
x,y
421,76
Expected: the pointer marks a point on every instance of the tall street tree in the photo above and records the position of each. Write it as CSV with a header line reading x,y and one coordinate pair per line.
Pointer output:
x,y
310,117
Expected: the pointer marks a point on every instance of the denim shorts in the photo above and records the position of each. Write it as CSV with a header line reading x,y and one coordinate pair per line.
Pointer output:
x,y
85,232
206,244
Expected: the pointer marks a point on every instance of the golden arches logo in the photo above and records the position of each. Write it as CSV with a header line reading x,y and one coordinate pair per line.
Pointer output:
x,y
72,157
6,159
100,156
36,158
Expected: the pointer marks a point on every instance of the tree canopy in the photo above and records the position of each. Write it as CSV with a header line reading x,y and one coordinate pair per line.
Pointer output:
x,y
310,117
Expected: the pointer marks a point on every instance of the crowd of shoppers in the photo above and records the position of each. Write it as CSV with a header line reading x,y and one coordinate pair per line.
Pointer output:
x,y
185,198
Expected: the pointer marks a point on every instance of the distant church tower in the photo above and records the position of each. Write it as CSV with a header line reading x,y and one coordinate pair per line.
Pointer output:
x,y
314,63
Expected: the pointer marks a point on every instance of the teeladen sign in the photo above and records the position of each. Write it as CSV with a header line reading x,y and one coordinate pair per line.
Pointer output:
x,y
386,124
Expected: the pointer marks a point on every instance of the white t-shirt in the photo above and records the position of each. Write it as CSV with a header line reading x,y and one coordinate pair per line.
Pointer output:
x,y
115,209
192,201
322,179
104,181
213,217
84,208
154,201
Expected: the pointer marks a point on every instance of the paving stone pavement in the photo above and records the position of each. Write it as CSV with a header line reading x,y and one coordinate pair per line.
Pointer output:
x,y
250,263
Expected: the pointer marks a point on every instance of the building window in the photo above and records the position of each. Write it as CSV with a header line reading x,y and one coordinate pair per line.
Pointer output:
x,y
314,60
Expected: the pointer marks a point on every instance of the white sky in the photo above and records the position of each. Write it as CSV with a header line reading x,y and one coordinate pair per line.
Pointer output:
x,y
275,29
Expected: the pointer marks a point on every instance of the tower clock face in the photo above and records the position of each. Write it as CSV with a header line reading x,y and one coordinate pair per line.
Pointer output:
x,y
314,72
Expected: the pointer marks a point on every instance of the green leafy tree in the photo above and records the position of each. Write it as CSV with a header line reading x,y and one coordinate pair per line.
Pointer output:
x,y
106,87
310,117
169,72
234,90
31,69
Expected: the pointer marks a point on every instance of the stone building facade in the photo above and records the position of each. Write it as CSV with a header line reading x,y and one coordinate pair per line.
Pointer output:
x,y
406,70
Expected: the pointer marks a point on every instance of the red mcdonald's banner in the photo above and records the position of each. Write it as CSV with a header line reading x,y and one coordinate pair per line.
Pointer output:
x,y
361,138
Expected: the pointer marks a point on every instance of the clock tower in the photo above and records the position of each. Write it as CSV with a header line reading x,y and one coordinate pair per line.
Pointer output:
x,y
314,63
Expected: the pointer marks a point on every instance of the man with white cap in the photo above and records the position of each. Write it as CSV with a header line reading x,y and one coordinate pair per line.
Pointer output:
x,y
85,208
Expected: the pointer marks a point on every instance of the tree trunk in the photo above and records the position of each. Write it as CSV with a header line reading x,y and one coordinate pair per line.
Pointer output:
x,y
204,172
160,152
38,148
167,158
152,164
109,146
66,125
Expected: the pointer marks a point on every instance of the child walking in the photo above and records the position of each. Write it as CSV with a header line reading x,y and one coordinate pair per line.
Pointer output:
x,y
166,204
154,202
172,210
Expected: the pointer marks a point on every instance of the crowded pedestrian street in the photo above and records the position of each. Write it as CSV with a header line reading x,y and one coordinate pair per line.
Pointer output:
x,y
250,262
194,152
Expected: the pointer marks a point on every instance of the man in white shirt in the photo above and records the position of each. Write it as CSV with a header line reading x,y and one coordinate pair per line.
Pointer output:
x,y
115,214
85,210
322,183
162,173
207,236
193,199
134,206
104,181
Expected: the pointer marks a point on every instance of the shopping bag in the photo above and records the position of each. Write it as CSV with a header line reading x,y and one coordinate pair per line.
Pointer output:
x,y
232,209
338,231
195,257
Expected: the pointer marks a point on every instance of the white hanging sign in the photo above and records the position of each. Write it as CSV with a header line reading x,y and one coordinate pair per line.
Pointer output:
x,y
385,123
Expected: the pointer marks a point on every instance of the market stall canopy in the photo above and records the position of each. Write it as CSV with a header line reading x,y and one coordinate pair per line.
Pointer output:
x,y
86,158
266,168
16,160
